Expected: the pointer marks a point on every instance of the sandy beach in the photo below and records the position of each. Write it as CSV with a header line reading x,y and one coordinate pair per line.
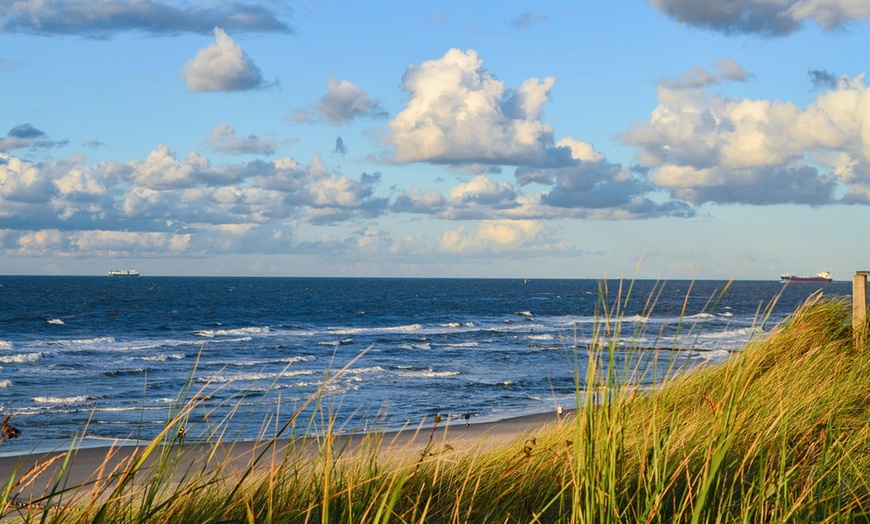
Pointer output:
x,y
34,475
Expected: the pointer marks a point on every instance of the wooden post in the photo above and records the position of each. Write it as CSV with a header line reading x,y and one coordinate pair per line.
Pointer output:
x,y
859,306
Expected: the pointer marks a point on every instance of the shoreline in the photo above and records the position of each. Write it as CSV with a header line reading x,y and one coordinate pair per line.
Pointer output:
x,y
92,464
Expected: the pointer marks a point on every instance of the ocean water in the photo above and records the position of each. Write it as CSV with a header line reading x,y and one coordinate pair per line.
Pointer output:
x,y
105,359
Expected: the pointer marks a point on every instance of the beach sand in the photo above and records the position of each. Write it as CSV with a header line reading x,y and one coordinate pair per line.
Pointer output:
x,y
88,468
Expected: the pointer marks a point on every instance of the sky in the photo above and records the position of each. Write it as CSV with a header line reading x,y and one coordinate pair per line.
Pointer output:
x,y
665,139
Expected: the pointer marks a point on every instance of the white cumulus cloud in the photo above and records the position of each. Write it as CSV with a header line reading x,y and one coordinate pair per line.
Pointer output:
x,y
457,112
222,66
711,148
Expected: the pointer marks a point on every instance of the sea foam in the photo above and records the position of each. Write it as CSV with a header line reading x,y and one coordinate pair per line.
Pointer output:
x,y
78,399
20,358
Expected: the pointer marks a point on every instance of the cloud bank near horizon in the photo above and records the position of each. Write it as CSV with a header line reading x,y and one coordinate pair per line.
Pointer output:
x,y
698,147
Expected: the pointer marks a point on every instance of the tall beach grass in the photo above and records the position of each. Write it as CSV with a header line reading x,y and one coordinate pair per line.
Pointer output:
x,y
778,433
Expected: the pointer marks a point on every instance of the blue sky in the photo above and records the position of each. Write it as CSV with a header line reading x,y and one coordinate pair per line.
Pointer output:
x,y
654,138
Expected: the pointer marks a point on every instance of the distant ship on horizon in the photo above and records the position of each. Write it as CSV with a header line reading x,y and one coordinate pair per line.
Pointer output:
x,y
123,273
821,278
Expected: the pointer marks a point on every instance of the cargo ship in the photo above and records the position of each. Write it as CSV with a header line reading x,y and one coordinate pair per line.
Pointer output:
x,y
123,273
821,278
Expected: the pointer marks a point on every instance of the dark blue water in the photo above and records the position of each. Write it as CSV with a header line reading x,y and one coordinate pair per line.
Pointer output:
x,y
107,357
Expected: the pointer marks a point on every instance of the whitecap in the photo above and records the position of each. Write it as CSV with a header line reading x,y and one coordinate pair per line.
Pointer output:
x,y
341,342
525,313
163,357
55,321
388,329
271,361
211,333
252,376
5,345
424,346
357,371
92,341
428,373
5,383
61,400
716,354
541,337
20,358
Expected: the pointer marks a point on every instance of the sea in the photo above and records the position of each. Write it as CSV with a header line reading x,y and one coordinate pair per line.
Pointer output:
x,y
100,360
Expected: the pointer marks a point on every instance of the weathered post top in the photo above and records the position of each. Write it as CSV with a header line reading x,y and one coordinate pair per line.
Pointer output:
x,y
859,306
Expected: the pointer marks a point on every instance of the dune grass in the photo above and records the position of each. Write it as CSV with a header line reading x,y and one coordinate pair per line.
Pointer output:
x,y
778,433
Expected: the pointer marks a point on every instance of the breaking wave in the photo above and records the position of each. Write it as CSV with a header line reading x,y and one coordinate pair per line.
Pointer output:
x,y
20,358
211,333
428,373
62,400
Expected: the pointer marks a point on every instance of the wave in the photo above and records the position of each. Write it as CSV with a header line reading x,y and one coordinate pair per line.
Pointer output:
x,y
78,399
360,371
55,321
5,383
92,341
409,328
525,314
20,358
162,343
126,409
742,333
5,345
412,347
125,372
428,373
163,357
211,333
454,325
222,379
717,354
334,343
266,362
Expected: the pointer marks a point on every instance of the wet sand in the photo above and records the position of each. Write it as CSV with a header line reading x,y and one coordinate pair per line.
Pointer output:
x,y
88,468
